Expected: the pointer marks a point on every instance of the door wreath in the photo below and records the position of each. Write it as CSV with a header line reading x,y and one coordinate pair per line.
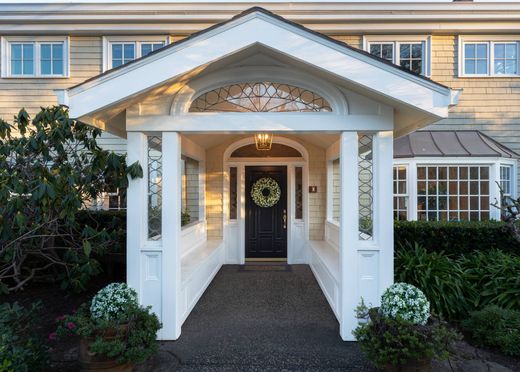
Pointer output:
x,y
266,192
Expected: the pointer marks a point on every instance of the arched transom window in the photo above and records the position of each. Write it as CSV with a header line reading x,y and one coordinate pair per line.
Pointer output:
x,y
262,96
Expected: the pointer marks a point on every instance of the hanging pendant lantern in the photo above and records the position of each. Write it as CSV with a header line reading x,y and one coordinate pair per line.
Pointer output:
x,y
263,141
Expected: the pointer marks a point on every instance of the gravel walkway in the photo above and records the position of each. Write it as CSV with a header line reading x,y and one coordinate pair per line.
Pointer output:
x,y
260,317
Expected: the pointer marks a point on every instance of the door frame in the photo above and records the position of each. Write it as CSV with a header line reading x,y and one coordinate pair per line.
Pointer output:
x,y
290,163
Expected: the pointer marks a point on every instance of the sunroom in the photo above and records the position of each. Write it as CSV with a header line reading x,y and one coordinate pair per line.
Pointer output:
x,y
259,140
448,175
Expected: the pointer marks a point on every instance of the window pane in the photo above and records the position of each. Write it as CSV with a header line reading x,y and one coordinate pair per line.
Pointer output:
x,y
375,49
117,51
336,189
387,52
145,49
500,51
233,193
128,52
500,67
45,50
365,187
469,51
482,51
46,67
16,67
28,51
481,66
405,51
57,67
298,183
190,196
469,66
16,51
28,68
417,51
511,51
510,67
417,67
57,51
154,187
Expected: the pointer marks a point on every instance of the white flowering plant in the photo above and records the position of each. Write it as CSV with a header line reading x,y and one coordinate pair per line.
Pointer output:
x,y
406,302
112,302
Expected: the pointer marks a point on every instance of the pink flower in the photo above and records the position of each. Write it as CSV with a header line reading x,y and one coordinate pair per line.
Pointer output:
x,y
52,336
71,325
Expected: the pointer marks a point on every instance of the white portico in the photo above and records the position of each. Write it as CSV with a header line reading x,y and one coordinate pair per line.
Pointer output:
x,y
190,112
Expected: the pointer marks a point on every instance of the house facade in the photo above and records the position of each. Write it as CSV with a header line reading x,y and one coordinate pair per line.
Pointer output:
x,y
262,130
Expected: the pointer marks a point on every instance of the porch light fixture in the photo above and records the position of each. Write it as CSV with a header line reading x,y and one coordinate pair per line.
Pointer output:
x,y
263,141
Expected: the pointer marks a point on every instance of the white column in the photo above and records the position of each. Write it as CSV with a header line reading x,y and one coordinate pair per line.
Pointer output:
x,y
171,230
349,222
135,210
383,207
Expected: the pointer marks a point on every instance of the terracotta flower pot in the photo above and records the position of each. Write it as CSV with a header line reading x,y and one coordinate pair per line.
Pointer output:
x,y
90,361
423,365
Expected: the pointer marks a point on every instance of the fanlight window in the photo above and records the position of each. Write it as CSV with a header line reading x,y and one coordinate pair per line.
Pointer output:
x,y
260,97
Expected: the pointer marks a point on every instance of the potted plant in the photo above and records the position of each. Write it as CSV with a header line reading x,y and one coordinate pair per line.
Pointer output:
x,y
115,332
401,335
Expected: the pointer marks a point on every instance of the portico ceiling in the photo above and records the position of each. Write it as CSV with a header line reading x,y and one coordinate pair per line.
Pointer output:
x,y
256,38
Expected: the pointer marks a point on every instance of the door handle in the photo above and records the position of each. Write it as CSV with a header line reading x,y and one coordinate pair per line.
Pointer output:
x,y
284,218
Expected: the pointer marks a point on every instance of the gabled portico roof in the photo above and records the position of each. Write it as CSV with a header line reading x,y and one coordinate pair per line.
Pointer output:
x,y
427,99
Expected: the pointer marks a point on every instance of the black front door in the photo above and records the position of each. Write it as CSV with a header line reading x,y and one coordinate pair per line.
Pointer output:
x,y
266,227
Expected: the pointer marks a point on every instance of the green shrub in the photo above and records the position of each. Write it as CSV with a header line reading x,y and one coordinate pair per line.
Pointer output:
x,y
21,349
396,342
457,285
495,327
438,276
455,238
495,277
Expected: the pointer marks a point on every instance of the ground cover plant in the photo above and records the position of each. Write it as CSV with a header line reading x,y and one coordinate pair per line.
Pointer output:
x,y
495,327
49,168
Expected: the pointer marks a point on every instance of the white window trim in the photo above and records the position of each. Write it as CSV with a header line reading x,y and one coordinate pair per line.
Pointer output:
x,y
490,40
406,194
403,39
137,40
36,41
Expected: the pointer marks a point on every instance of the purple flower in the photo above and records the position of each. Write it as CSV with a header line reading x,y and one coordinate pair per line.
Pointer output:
x,y
52,336
71,325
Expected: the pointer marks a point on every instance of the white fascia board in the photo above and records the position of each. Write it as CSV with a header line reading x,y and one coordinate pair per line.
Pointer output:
x,y
258,122
259,28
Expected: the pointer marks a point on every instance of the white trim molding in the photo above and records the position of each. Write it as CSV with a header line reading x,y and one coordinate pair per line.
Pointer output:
x,y
36,42
136,40
490,41
397,40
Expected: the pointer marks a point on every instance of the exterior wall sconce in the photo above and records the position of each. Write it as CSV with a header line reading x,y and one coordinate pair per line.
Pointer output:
x,y
263,141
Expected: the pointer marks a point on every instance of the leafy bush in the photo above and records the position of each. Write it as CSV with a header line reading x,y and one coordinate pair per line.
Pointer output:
x,y
495,277
21,349
49,168
440,278
398,342
455,238
495,327
406,302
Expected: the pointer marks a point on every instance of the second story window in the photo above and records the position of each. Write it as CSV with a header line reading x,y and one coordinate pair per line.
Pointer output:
x,y
35,57
410,53
482,57
121,50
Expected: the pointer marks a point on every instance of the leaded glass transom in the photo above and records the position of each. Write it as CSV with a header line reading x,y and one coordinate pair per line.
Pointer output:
x,y
261,96
154,187
366,187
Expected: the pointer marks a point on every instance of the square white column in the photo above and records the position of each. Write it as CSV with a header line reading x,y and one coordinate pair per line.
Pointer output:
x,y
349,234
135,209
171,230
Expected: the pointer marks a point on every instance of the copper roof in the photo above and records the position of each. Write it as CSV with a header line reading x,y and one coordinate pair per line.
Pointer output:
x,y
444,143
